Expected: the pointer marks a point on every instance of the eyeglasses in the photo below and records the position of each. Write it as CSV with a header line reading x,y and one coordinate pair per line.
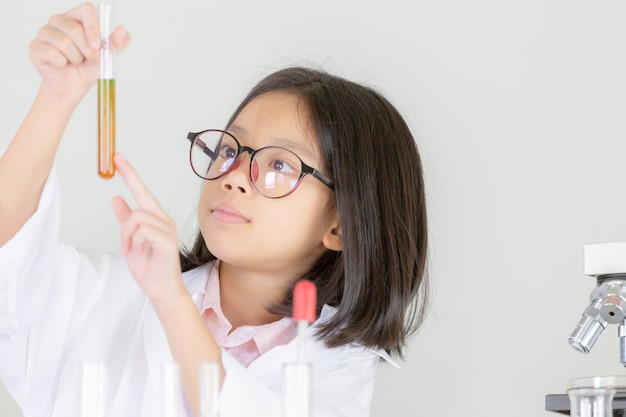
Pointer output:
x,y
274,171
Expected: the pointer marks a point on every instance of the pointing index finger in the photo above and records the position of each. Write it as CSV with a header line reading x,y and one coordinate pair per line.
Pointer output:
x,y
142,195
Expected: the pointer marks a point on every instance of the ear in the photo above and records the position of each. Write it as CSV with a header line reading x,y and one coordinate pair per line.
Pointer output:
x,y
332,238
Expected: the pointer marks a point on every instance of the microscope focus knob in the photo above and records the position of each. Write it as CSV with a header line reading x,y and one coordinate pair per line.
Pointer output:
x,y
613,307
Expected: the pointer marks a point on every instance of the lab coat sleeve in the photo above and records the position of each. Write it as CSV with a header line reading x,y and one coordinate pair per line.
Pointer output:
x,y
27,262
38,292
342,384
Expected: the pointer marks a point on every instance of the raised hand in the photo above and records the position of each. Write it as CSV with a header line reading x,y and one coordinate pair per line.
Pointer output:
x,y
148,240
66,51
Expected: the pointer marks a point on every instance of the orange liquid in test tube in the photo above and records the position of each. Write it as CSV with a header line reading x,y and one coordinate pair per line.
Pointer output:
x,y
106,128
106,96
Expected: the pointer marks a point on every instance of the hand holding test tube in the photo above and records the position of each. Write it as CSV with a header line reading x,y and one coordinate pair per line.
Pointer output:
x,y
106,95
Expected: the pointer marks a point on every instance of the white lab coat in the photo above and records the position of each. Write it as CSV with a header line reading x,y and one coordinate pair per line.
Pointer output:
x,y
60,307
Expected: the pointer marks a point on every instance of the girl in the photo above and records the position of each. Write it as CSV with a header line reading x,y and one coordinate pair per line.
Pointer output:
x,y
313,177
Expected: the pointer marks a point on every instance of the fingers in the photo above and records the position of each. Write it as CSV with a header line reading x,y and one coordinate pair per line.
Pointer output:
x,y
141,194
147,226
120,39
68,38
141,230
73,37
58,49
122,212
121,209
87,14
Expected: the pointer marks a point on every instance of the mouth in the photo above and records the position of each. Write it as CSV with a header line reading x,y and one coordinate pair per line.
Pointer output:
x,y
227,214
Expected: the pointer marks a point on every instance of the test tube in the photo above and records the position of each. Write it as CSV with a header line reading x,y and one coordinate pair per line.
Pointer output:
x,y
172,394
209,389
106,94
296,389
93,380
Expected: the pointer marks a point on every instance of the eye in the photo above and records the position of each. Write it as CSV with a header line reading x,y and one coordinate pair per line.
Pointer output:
x,y
227,151
282,166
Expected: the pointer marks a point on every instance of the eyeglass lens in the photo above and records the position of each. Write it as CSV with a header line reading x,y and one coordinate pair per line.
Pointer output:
x,y
274,171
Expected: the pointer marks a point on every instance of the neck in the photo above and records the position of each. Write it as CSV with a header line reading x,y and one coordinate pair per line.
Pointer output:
x,y
245,295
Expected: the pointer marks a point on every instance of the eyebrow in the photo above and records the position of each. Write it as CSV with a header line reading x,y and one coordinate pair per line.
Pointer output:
x,y
282,142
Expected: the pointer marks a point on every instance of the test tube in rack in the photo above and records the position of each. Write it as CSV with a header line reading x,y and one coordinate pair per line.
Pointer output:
x,y
92,392
209,389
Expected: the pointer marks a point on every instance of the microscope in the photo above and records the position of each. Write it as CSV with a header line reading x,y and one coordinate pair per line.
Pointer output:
x,y
606,262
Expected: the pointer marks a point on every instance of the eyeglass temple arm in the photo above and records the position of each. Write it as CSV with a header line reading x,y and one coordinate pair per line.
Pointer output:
x,y
198,142
323,178
316,174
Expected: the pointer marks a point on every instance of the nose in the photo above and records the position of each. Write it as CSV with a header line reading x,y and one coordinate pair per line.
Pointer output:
x,y
238,178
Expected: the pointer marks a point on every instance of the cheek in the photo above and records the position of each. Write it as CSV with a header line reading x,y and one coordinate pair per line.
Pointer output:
x,y
205,201
309,217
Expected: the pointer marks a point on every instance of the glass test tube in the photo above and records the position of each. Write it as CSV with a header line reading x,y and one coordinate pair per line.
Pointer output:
x,y
92,393
593,396
106,95
172,394
296,389
209,389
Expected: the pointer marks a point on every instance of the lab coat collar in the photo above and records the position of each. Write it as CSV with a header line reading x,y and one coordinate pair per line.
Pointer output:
x,y
195,281
155,341
329,311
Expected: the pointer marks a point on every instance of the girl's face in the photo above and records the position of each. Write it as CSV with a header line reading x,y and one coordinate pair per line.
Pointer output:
x,y
283,236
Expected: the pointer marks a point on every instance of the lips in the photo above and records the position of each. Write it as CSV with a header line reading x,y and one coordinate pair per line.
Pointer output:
x,y
227,214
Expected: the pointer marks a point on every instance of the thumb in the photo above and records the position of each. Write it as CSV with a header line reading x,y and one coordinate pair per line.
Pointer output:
x,y
120,208
120,39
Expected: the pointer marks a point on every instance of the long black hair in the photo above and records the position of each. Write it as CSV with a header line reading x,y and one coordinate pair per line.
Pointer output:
x,y
378,282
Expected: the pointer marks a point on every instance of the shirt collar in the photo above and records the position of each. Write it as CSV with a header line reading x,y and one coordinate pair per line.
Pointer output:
x,y
265,336
200,288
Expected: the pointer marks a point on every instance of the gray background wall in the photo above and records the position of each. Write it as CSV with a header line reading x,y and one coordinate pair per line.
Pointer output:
x,y
518,108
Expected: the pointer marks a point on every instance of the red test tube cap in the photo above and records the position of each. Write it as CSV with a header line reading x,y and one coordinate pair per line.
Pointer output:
x,y
304,301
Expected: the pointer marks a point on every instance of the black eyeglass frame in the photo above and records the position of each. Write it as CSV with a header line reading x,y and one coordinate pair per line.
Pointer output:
x,y
304,169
